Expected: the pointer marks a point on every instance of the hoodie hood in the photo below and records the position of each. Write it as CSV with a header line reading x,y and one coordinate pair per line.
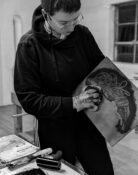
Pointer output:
x,y
38,25
47,39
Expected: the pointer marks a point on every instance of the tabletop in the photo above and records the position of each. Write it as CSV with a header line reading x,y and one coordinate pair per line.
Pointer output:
x,y
66,169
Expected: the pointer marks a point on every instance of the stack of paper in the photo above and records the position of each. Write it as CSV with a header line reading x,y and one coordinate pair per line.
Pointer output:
x,y
13,147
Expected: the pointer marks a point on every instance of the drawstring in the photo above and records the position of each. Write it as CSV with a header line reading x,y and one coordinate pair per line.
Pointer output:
x,y
55,64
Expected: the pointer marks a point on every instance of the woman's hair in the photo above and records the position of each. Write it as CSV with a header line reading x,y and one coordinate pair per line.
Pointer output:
x,y
52,6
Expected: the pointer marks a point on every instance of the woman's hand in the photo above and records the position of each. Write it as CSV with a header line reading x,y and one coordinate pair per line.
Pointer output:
x,y
90,97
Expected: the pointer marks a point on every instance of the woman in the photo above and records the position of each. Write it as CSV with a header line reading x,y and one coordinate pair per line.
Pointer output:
x,y
51,60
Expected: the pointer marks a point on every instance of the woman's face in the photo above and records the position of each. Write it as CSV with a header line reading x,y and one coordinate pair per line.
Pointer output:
x,y
64,23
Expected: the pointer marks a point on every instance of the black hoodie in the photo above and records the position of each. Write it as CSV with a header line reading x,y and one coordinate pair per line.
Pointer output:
x,y
47,70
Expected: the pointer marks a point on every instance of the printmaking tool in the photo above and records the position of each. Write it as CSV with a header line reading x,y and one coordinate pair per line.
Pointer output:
x,y
22,161
50,163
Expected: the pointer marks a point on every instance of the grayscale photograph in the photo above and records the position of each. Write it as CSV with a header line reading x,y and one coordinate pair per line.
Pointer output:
x,y
69,87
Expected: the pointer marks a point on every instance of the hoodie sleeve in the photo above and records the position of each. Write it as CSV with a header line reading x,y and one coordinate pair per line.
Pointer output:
x,y
94,54
27,85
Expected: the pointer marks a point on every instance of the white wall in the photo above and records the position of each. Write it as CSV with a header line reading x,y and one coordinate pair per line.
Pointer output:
x,y
96,18
99,17
9,8
1,80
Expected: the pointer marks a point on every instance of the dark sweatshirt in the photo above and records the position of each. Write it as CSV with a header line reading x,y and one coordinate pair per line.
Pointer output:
x,y
47,71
